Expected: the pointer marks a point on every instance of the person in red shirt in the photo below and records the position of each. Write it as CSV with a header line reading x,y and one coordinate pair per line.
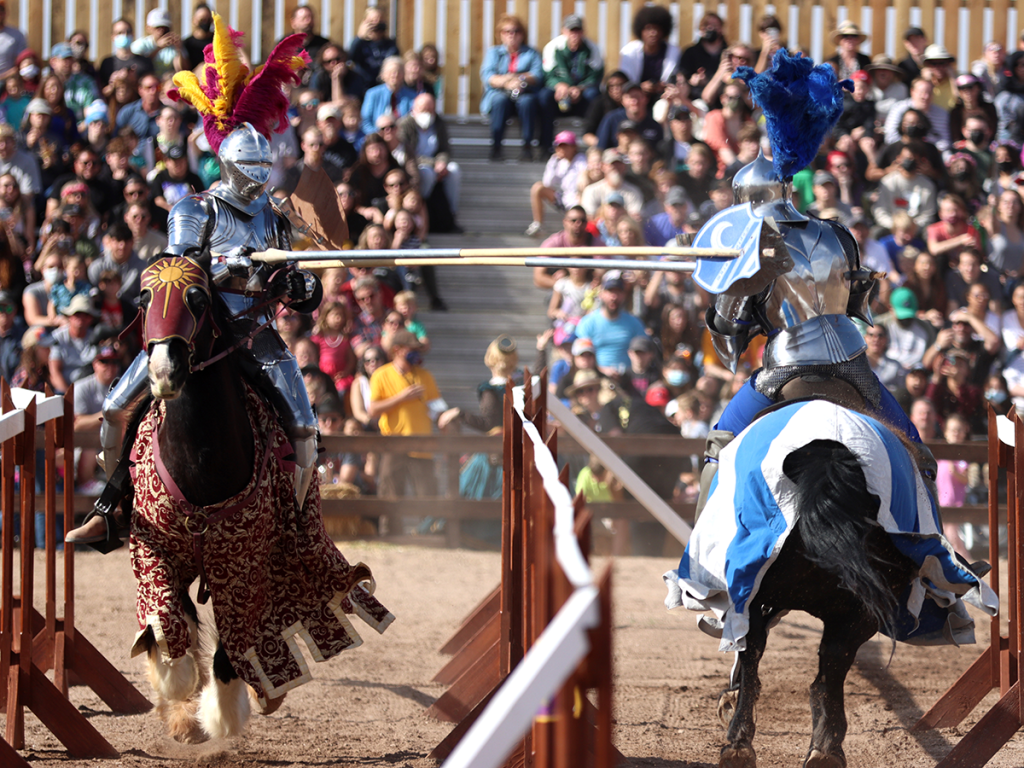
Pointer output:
x,y
952,232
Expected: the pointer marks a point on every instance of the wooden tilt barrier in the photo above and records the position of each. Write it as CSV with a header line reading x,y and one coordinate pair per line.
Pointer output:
x,y
499,632
1001,665
33,643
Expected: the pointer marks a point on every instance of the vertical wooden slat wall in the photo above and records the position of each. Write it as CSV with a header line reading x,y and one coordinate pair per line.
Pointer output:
x,y
546,27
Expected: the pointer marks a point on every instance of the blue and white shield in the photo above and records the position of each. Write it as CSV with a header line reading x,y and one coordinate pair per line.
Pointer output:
x,y
738,227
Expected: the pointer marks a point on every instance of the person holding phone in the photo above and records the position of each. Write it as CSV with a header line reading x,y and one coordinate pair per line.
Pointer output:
x,y
371,46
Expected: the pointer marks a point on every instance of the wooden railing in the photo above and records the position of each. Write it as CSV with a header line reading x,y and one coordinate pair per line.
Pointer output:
x,y
463,31
452,509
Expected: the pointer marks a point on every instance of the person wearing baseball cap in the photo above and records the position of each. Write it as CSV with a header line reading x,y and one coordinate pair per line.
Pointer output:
x,y
915,41
662,228
573,69
559,185
175,181
636,106
161,45
612,327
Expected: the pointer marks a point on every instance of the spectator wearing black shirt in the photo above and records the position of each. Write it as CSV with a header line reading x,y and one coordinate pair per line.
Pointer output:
x,y
337,148
915,41
634,108
122,58
202,35
700,61
334,77
12,328
609,100
87,168
371,46
303,22
173,183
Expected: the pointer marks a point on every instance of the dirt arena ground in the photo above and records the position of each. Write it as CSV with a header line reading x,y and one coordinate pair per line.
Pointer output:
x,y
366,708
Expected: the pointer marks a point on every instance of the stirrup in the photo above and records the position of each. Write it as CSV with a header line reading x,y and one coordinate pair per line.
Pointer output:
x,y
109,540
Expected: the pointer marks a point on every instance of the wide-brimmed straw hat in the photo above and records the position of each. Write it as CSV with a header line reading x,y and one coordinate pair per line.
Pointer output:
x,y
848,29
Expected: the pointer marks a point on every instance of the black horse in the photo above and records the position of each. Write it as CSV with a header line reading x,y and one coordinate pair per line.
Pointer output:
x,y
838,562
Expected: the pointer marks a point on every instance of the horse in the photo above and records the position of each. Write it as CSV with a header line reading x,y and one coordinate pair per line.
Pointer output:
x,y
214,500
820,509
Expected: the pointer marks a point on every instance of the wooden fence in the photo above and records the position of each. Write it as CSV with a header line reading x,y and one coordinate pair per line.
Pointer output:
x,y
463,30
452,509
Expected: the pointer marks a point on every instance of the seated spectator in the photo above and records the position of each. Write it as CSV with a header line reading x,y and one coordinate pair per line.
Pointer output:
x,y
115,312
914,385
63,123
611,327
141,115
953,230
513,77
964,181
748,138
950,390
574,233
412,74
558,187
160,45
1009,102
826,196
90,392
30,69
19,162
644,366
392,96
119,255
1008,169
997,395
371,46
640,159
701,168
903,235
148,243
405,305
606,225
873,255
74,284
858,118
905,189
737,55
635,103
663,228
424,135
674,150
12,329
969,269
1013,322
359,393
990,69
339,145
335,77
18,217
122,62
848,59
700,61
15,99
614,181
367,176
887,86
970,336
573,69
909,336
888,370
174,183
722,126
331,335
87,167
502,360
925,280
921,95
609,100
951,480
1006,235
368,325
34,370
72,351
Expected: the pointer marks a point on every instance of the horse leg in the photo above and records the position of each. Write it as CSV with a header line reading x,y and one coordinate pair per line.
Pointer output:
x,y
842,636
739,752
175,682
224,707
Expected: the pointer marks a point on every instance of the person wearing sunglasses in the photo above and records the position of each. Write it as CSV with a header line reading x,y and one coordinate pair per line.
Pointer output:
x,y
373,357
513,77
334,76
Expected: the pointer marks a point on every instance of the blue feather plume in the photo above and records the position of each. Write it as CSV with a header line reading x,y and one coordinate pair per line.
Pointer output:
x,y
801,103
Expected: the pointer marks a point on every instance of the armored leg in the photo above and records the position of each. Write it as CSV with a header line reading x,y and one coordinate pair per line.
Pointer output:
x,y
717,440
292,403
116,407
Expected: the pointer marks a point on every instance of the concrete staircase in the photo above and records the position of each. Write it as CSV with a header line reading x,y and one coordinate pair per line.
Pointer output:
x,y
484,302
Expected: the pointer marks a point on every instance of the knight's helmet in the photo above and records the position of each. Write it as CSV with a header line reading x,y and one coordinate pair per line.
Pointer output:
x,y
245,162
758,183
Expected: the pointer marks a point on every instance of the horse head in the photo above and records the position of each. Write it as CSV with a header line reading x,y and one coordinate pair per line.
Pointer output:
x,y
179,329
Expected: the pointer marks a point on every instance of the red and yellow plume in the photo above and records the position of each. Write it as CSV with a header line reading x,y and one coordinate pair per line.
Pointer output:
x,y
226,93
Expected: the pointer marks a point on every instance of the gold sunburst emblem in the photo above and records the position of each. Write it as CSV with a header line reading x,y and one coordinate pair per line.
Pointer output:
x,y
172,274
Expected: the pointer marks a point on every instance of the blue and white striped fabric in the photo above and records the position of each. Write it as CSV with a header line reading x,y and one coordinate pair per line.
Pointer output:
x,y
751,510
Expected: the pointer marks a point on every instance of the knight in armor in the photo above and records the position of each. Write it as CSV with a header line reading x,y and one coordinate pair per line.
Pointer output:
x,y
798,280
220,229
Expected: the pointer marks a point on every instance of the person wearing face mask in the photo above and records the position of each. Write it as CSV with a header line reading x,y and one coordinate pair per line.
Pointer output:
x,y
202,35
79,42
27,65
922,94
121,63
424,134
700,61
405,397
915,125
12,43
976,130
906,189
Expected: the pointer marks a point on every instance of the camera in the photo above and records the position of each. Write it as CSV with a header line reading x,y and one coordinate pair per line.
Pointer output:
x,y
380,26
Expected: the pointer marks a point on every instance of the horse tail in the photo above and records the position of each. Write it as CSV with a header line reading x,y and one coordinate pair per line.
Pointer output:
x,y
837,513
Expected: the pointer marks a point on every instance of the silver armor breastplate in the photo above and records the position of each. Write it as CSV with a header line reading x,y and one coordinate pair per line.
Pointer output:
x,y
806,308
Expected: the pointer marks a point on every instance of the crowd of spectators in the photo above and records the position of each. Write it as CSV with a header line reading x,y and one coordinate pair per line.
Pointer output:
x,y
924,167
95,154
